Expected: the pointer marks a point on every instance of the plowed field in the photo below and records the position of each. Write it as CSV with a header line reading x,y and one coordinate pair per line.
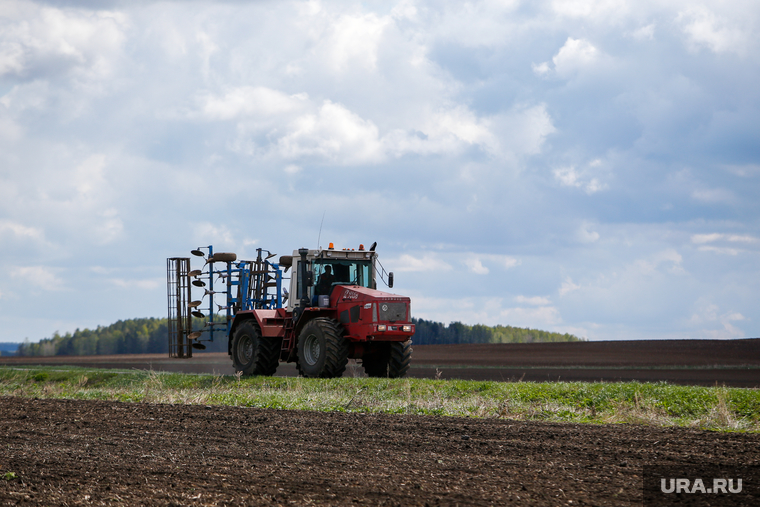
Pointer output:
x,y
104,453
734,363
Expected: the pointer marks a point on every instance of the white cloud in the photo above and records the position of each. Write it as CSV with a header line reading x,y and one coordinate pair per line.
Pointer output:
x,y
42,277
19,230
572,177
38,40
568,286
524,130
206,233
428,262
719,250
716,324
541,317
541,69
746,170
727,244
574,56
567,176
353,41
476,266
335,134
705,29
88,177
706,238
510,262
586,235
713,195
670,258
246,101
489,311
592,10
535,300
404,10
716,236
645,32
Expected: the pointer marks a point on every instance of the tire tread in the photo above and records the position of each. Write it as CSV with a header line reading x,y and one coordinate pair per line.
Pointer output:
x,y
266,352
400,359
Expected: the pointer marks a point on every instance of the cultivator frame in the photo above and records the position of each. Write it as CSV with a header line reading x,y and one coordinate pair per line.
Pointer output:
x,y
248,285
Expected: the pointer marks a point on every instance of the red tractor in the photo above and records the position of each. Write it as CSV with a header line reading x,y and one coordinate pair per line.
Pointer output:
x,y
332,312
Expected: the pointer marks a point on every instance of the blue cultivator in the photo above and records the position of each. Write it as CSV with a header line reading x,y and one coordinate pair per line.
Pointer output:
x,y
248,285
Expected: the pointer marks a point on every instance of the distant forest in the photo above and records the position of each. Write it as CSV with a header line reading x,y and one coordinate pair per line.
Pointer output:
x,y
146,336
433,333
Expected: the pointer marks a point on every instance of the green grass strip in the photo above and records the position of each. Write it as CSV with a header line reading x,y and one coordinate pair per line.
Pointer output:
x,y
660,404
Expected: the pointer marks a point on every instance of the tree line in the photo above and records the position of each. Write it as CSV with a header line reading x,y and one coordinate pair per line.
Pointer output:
x,y
428,332
150,336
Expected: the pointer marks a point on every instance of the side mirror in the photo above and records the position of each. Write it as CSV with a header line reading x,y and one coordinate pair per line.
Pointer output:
x,y
309,278
390,280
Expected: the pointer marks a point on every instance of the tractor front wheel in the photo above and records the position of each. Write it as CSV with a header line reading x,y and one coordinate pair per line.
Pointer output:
x,y
252,353
400,359
376,363
322,349
391,360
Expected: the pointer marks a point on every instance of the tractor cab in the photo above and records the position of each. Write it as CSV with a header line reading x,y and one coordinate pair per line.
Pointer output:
x,y
324,270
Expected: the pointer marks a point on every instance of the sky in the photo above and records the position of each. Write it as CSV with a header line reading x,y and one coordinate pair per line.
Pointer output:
x,y
589,167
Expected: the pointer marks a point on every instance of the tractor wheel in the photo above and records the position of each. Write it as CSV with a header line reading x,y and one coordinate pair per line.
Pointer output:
x,y
322,349
252,353
376,363
400,359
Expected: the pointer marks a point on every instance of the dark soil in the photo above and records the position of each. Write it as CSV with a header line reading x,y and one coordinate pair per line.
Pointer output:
x,y
733,363
107,453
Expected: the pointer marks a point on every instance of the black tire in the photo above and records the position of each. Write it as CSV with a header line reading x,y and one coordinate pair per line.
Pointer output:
x,y
400,359
375,363
322,349
253,354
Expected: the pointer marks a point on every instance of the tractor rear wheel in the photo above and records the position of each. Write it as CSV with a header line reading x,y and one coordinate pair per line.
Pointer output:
x,y
322,349
400,359
252,353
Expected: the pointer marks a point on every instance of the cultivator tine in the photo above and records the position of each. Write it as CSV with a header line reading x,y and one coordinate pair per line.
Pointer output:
x,y
199,283
194,304
194,335
198,314
199,346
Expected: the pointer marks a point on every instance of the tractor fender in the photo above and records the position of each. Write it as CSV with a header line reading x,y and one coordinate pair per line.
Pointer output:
x,y
271,322
312,313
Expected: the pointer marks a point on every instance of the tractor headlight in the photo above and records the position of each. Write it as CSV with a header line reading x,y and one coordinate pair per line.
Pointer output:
x,y
381,327
407,328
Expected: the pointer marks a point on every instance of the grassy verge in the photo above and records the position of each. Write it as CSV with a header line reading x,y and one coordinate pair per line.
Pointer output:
x,y
662,404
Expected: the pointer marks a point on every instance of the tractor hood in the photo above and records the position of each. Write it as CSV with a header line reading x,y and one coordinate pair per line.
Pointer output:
x,y
357,293
355,303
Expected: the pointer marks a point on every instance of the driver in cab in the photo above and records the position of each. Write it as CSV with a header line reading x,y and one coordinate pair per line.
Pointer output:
x,y
324,284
